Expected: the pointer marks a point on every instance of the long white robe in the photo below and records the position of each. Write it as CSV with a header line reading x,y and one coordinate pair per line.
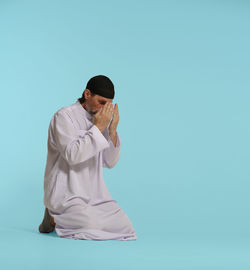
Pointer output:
x,y
74,189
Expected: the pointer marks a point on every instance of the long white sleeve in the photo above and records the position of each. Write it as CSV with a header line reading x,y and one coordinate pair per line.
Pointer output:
x,y
111,154
76,145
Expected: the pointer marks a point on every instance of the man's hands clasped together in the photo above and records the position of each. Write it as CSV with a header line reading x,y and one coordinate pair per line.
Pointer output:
x,y
103,117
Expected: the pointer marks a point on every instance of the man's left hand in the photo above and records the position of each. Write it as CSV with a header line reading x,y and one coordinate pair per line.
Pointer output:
x,y
114,121
113,125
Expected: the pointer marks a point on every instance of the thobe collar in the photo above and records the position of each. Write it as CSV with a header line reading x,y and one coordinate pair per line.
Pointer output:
x,y
84,112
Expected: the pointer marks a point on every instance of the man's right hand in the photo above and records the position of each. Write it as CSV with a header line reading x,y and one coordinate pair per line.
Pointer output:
x,y
103,116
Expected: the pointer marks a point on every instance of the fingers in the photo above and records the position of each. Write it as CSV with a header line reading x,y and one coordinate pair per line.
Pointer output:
x,y
116,112
116,108
108,108
99,113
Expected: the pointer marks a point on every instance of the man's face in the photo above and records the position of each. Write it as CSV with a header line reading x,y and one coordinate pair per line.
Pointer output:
x,y
94,103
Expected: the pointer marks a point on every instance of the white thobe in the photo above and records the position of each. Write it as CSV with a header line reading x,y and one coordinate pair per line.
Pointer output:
x,y
74,189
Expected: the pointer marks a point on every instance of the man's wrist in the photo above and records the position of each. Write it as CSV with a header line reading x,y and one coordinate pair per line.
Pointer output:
x,y
112,132
99,127
113,137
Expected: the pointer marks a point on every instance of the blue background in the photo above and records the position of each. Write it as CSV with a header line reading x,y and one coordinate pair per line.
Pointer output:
x,y
181,75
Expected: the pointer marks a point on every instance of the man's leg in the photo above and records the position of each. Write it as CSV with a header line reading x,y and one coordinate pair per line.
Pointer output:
x,y
48,224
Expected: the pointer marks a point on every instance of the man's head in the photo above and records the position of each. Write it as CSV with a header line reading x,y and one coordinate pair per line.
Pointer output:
x,y
99,90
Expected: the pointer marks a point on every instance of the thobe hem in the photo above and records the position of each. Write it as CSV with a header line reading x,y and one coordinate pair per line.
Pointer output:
x,y
91,234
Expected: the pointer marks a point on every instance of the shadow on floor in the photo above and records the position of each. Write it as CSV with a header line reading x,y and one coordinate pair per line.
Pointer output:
x,y
34,231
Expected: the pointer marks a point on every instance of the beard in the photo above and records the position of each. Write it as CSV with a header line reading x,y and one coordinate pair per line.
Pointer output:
x,y
88,109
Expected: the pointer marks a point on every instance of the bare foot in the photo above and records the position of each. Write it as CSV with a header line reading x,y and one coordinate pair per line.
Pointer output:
x,y
48,223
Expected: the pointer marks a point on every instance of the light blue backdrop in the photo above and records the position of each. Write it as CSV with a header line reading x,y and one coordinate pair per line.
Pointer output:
x,y
181,75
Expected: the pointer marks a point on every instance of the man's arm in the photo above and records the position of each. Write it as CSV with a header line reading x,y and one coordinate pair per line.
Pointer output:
x,y
113,137
111,155
76,146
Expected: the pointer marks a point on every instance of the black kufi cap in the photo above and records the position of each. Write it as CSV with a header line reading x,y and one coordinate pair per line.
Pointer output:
x,y
101,85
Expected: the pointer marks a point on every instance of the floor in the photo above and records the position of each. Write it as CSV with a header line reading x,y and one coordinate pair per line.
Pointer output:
x,y
26,248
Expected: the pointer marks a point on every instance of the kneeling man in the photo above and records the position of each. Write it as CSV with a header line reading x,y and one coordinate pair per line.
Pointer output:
x,y
82,139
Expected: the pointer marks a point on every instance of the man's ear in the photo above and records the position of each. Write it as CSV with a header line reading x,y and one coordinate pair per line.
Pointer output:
x,y
87,93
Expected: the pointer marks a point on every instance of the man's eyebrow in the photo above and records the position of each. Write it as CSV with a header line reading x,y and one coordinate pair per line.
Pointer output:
x,y
101,100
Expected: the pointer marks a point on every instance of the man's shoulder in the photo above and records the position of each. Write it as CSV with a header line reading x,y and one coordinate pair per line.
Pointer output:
x,y
66,110
64,113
